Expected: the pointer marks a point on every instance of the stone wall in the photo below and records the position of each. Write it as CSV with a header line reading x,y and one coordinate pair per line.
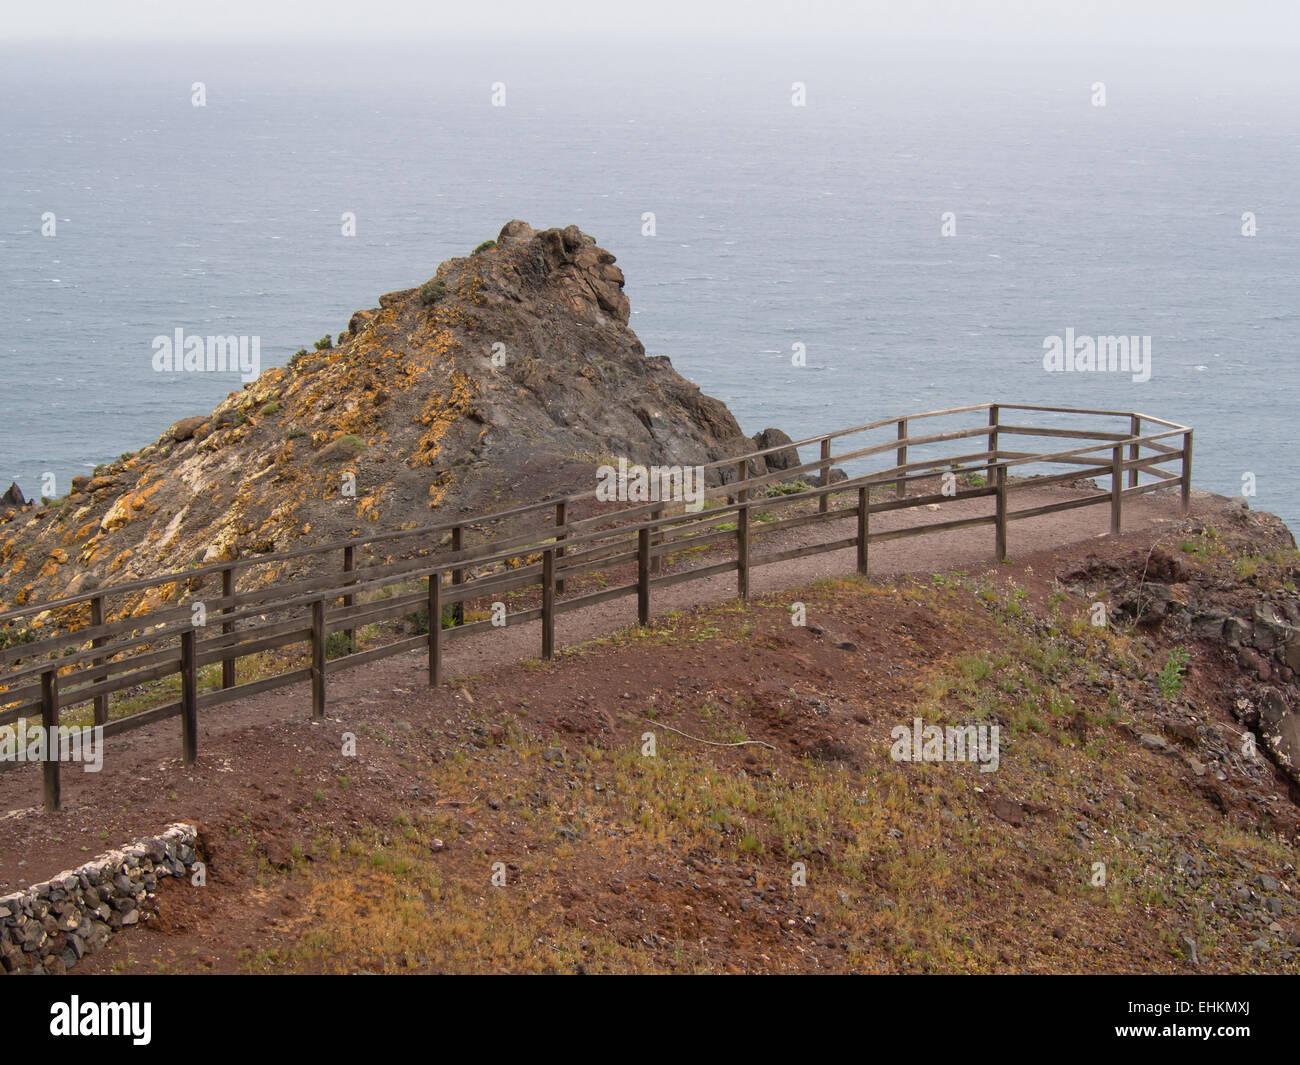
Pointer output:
x,y
49,927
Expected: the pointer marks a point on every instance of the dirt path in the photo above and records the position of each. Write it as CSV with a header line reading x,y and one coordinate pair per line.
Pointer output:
x,y
138,754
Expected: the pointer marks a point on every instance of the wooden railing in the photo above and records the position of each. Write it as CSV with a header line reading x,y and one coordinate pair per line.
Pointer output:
x,y
89,655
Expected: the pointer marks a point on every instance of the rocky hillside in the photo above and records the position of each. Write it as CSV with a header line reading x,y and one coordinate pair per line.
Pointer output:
x,y
507,377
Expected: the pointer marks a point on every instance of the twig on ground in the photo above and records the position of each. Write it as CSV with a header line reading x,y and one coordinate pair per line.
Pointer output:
x,y
711,743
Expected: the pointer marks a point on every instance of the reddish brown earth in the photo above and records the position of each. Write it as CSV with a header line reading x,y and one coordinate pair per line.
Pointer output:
x,y
528,764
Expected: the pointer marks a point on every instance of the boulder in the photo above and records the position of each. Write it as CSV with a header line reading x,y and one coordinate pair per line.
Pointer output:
x,y
785,459
186,428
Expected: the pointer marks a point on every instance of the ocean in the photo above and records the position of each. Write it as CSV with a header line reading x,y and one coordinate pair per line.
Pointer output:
x,y
775,225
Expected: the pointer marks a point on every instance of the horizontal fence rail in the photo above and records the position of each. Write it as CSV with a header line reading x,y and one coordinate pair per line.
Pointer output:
x,y
80,654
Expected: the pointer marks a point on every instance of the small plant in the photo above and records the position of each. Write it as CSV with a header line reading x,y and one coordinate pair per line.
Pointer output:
x,y
337,644
418,620
15,637
296,358
432,291
1170,679
788,489
487,245
271,408
324,343
295,432
345,447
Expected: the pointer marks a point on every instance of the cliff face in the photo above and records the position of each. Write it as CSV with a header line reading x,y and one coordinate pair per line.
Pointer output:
x,y
508,377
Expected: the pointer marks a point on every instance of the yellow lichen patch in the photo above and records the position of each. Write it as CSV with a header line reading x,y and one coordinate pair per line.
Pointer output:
x,y
438,490
118,515
440,413
57,558
7,550
129,506
121,560
73,536
94,551
153,598
368,507
71,618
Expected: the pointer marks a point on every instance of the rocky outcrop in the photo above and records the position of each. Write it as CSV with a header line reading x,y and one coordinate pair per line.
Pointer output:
x,y
785,459
509,376
1257,631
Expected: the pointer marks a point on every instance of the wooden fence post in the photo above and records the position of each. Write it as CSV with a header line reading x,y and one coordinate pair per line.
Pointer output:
x,y
993,441
189,696
1116,489
318,659
548,604
227,627
742,534
643,576
349,564
864,510
1000,546
742,550
458,575
1134,450
50,723
96,619
435,628
900,487
824,501
561,519
1187,473
656,538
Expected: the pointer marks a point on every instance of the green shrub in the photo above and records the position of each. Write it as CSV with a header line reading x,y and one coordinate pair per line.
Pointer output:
x,y
792,488
271,408
324,343
432,291
487,245
16,637
296,358
342,449
418,620
1170,679
295,432
337,645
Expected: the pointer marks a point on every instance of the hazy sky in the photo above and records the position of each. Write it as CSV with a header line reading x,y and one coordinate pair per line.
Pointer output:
x,y
1238,24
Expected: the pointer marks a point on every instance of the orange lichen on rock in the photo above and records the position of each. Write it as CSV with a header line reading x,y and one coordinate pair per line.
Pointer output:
x,y
57,558
440,413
